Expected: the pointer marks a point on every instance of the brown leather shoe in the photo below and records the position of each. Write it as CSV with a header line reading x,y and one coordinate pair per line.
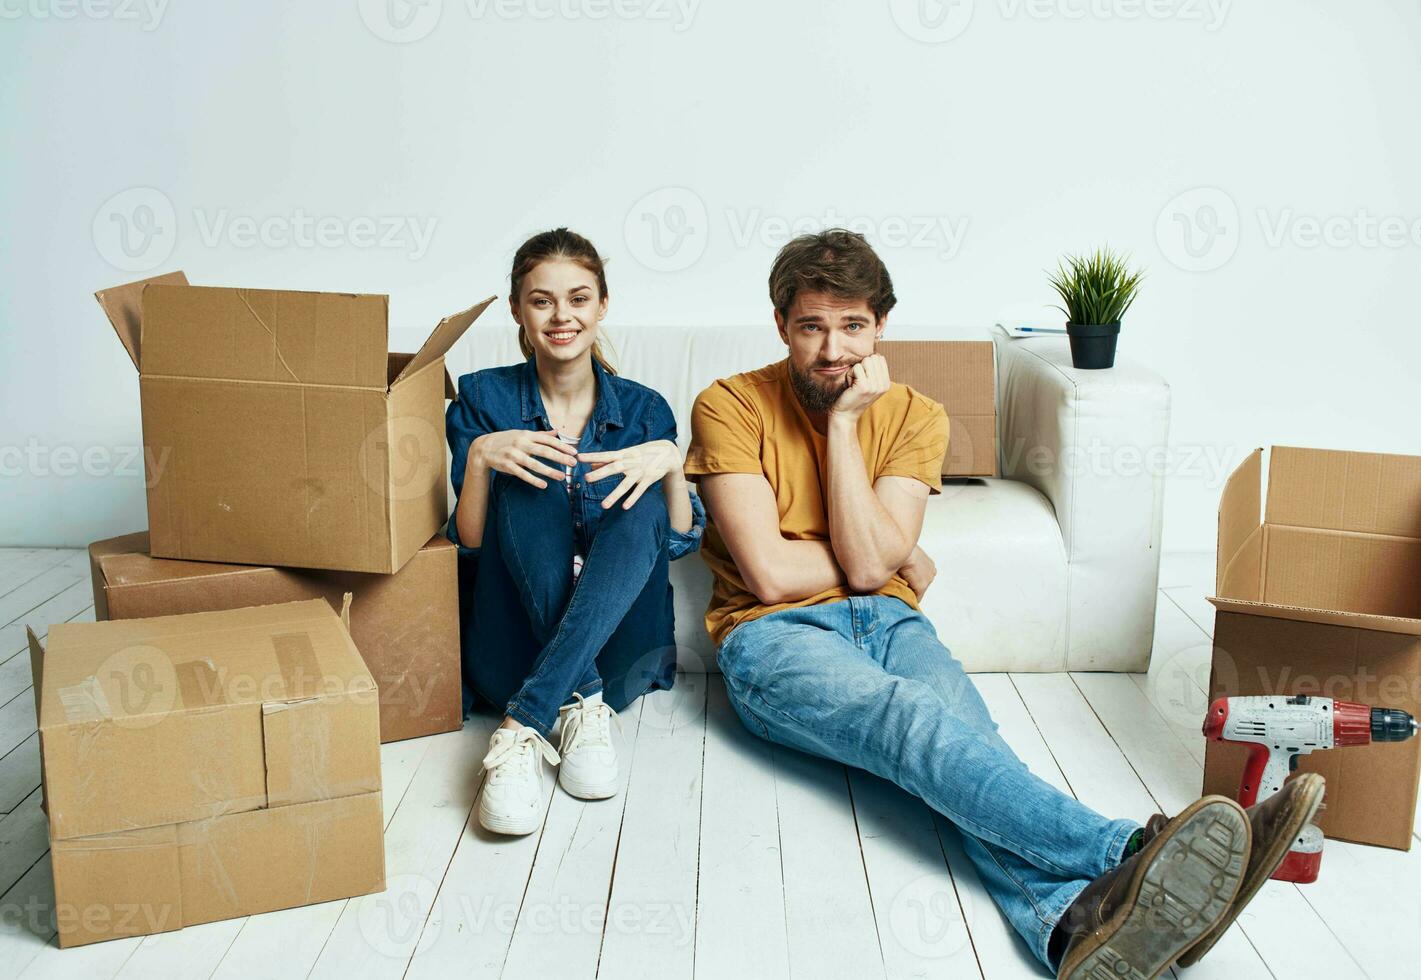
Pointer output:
x,y
1134,920
1276,823
1152,828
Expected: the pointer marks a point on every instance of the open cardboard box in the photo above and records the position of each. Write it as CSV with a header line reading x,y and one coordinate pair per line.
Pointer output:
x,y
962,376
206,766
1323,597
278,429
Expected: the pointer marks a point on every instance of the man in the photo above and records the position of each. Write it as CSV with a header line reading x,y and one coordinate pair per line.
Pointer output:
x,y
815,472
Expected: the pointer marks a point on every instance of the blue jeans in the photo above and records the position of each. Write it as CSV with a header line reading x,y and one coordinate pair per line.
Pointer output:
x,y
531,636
865,681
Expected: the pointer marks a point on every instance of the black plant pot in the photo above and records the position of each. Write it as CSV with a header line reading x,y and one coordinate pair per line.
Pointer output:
x,y
1093,344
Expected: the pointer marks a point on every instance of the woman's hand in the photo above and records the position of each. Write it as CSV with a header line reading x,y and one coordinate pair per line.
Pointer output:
x,y
642,465
516,452
919,571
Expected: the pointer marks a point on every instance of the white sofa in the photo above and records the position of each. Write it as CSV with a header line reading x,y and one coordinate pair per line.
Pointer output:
x,y
1053,566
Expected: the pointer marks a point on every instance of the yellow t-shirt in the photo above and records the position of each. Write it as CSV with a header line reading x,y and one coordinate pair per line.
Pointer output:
x,y
754,423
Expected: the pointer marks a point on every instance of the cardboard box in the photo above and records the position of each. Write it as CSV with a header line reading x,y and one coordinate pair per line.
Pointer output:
x,y
962,375
1321,597
206,765
278,430
406,625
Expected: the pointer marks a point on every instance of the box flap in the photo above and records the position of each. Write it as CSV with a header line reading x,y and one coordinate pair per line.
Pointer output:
x,y
264,335
125,561
101,551
123,306
126,883
1239,510
287,856
1329,617
1374,493
450,329
1347,570
321,748
37,686
36,664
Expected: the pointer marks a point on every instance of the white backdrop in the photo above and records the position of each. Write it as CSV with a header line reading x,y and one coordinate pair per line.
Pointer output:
x,y
1259,158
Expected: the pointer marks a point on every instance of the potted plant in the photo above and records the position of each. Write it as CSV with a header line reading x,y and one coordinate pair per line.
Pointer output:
x,y
1096,289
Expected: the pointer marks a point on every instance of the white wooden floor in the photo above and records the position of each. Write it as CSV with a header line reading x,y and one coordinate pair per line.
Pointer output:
x,y
723,857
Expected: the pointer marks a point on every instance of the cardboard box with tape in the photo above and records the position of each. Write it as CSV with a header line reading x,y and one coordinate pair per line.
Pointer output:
x,y
962,376
206,766
1320,596
405,625
278,429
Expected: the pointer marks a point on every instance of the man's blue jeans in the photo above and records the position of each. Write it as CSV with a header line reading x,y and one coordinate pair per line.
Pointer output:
x,y
866,682
532,636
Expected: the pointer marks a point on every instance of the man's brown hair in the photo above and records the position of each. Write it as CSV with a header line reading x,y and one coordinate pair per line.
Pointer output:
x,y
835,261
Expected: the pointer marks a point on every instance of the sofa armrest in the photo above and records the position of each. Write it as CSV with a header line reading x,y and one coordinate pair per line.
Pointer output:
x,y
1096,445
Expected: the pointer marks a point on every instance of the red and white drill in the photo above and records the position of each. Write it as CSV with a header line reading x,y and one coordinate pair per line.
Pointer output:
x,y
1277,729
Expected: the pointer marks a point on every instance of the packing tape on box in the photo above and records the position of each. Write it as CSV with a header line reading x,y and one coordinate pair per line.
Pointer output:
x,y
85,701
296,660
199,684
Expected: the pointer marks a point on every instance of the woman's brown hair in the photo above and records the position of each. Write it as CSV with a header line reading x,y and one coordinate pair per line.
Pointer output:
x,y
548,246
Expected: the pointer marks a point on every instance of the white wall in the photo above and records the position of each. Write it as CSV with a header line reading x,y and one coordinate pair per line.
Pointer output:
x,y
1026,127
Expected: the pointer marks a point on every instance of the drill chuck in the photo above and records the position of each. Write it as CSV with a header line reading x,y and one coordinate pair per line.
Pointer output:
x,y
1392,725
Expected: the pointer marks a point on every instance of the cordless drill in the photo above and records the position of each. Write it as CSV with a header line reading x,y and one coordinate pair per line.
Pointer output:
x,y
1277,729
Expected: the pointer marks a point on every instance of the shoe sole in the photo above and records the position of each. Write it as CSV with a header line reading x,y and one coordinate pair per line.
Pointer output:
x,y
1267,862
588,791
513,826
1181,892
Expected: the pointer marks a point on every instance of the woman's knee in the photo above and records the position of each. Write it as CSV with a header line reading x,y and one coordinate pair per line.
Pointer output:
x,y
647,519
507,490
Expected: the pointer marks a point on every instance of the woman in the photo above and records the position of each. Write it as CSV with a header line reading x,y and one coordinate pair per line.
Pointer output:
x,y
571,503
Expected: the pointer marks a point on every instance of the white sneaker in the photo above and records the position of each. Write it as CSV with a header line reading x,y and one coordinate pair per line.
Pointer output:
x,y
512,797
589,760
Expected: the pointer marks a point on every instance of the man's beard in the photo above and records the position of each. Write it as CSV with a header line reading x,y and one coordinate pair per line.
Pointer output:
x,y
814,395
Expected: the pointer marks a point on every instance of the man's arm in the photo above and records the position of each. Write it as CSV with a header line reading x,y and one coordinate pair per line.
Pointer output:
x,y
873,529
775,569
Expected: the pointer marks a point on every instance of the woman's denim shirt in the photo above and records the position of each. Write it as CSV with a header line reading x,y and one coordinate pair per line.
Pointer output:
x,y
626,414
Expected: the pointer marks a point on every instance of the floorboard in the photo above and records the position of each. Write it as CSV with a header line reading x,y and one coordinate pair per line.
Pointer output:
x,y
829,912
651,917
740,902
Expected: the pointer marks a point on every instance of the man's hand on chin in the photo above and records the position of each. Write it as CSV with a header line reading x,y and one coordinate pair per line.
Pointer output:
x,y
868,381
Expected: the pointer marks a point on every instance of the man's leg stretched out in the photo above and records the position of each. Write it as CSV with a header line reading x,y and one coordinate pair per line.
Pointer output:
x,y
811,678
866,682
